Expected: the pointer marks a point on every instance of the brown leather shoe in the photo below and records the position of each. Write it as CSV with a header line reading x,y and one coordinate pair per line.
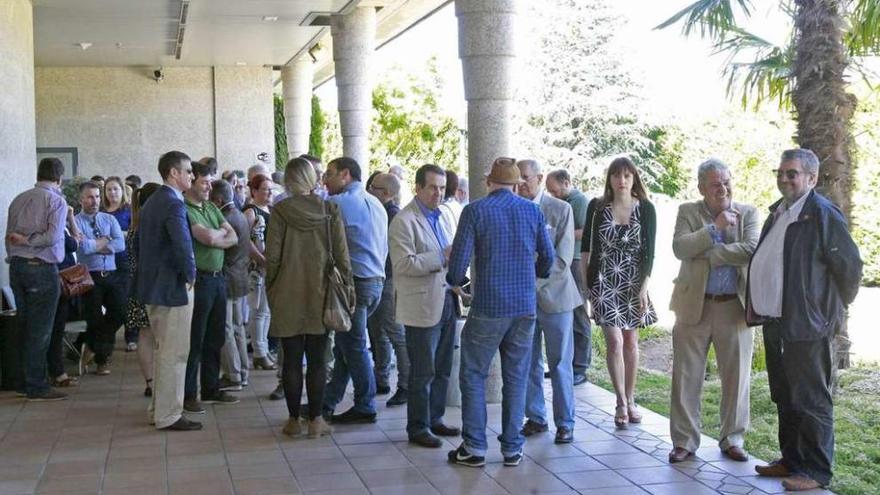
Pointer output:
x,y
799,483
679,454
775,469
736,454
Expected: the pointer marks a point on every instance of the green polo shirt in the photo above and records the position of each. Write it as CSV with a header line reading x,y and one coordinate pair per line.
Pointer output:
x,y
209,259
578,203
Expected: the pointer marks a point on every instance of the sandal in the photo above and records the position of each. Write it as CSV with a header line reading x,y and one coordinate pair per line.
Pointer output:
x,y
620,416
148,392
634,415
65,382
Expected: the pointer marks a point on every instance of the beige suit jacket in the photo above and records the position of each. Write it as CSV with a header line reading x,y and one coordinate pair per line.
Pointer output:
x,y
417,264
558,292
692,244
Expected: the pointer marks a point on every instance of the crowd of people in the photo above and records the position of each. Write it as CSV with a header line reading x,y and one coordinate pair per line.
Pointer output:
x,y
203,267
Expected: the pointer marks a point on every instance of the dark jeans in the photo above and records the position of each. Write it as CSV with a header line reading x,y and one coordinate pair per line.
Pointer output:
x,y
36,288
55,357
207,335
385,333
800,384
431,350
312,346
101,326
351,359
583,337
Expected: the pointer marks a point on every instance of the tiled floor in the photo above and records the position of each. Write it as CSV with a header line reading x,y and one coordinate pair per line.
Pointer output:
x,y
99,442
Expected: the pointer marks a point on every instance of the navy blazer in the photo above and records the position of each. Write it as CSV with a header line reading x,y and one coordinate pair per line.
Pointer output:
x,y
165,251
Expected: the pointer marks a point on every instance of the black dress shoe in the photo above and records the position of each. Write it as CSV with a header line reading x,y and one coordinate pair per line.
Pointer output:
x,y
383,389
184,424
353,417
425,439
398,399
564,435
278,393
533,427
580,378
442,430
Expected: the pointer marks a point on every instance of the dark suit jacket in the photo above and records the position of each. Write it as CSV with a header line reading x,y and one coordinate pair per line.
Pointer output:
x,y
166,262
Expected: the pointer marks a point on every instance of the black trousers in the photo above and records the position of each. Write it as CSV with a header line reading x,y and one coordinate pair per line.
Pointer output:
x,y
207,336
102,324
800,385
55,357
583,337
313,347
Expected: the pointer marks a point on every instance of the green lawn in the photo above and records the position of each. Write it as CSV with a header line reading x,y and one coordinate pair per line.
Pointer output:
x,y
856,408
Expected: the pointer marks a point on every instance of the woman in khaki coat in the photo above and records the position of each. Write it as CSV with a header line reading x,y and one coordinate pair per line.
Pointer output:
x,y
297,254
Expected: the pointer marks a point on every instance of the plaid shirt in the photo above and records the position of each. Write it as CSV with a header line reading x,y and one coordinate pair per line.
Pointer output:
x,y
504,232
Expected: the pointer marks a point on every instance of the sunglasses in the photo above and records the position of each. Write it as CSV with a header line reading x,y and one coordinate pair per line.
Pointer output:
x,y
790,174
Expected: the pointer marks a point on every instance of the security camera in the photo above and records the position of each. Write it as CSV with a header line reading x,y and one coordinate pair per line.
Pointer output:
x,y
159,75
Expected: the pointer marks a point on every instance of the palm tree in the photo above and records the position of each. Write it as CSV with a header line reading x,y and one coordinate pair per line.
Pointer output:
x,y
806,75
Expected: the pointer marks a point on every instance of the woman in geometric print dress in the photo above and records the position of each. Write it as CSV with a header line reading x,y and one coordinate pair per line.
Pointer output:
x,y
619,249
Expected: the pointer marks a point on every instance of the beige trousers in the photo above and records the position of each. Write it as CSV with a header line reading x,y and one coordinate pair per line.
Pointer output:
x,y
171,330
723,325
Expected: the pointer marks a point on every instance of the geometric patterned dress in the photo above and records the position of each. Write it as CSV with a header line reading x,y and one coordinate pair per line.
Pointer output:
x,y
614,295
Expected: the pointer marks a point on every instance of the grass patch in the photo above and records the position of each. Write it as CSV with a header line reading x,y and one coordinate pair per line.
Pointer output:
x,y
856,425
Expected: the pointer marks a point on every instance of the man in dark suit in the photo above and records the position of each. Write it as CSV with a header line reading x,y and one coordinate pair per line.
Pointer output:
x,y
164,282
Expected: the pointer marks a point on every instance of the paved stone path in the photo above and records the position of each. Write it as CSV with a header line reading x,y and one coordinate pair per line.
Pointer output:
x,y
99,442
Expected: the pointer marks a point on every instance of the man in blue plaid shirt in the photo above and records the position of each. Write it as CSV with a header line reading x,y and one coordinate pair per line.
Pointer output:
x,y
504,232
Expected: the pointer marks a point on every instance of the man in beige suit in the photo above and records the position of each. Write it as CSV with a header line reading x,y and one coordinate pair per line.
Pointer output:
x,y
714,239
558,296
420,245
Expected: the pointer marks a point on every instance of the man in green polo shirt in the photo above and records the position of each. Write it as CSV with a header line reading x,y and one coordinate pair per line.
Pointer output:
x,y
558,184
211,235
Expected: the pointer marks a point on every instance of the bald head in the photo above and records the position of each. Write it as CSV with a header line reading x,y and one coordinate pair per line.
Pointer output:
x,y
385,187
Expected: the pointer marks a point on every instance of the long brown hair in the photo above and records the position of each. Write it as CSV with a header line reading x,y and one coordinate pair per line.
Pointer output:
x,y
618,166
124,201
140,199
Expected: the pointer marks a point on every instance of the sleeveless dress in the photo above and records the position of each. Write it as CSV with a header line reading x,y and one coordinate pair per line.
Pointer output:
x,y
136,313
614,294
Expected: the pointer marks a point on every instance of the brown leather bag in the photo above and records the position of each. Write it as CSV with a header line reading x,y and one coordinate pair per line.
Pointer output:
x,y
76,280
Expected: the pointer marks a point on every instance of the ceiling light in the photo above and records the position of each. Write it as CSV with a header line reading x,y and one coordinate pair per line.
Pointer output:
x,y
84,45
241,64
270,18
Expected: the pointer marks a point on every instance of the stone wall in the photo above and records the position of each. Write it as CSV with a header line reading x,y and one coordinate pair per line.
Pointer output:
x,y
121,120
17,149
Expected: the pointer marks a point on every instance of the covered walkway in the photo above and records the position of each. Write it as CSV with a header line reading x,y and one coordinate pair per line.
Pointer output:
x,y
99,442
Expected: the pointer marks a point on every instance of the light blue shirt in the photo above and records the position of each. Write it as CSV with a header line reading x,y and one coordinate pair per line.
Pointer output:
x,y
722,279
366,230
433,218
95,227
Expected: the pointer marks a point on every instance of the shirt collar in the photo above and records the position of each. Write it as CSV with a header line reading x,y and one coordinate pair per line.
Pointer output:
x,y
177,193
797,206
428,212
49,186
539,197
354,186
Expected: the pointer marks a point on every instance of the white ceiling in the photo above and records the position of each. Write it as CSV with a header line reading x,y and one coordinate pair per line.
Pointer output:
x,y
218,32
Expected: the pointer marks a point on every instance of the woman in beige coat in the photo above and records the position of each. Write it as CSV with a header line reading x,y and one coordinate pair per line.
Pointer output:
x,y
297,254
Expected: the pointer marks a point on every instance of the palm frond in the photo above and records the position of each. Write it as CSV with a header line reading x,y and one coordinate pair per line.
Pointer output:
x,y
765,79
863,37
713,18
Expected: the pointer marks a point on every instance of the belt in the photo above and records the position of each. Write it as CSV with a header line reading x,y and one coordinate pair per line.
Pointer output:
x,y
369,279
206,273
30,261
102,273
721,297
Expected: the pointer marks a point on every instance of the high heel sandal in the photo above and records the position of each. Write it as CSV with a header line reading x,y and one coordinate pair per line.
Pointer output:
x,y
633,411
620,416
148,392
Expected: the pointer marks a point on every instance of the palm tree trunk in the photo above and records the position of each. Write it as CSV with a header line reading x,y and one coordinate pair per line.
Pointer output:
x,y
824,109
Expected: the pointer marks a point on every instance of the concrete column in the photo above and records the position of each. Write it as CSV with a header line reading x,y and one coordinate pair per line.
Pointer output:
x,y
18,153
486,49
354,37
296,83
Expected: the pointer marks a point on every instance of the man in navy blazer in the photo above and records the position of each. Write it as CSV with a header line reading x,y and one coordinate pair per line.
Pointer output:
x,y
164,282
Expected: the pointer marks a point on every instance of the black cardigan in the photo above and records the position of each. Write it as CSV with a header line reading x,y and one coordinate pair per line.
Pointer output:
x,y
648,235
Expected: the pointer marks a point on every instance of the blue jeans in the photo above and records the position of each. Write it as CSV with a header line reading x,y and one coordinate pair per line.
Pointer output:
x,y
559,342
480,339
431,353
352,359
207,336
36,289
385,333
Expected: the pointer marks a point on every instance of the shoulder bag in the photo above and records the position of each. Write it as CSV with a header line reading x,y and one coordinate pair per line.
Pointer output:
x,y
76,280
339,298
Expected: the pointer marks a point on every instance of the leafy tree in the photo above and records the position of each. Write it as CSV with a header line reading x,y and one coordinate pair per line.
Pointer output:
x,y
280,134
316,136
578,101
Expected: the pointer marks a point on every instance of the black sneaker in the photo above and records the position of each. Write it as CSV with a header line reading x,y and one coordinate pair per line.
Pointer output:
x,y
193,406
278,393
47,396
398,399
425,439
227,384
183,424
353,417
383,389
513,460
220,397
533,427
580,379
564,435
461,456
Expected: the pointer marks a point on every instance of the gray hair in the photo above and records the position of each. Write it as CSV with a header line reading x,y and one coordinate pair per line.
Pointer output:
x,y
463,184
710,165
532,165
221,191
809,161
257,169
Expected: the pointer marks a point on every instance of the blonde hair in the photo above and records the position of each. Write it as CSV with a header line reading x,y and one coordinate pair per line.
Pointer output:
x,y
126,196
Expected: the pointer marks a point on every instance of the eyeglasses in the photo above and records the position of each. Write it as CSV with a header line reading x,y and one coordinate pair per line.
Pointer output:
x,y
790,174
95,230
377,188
